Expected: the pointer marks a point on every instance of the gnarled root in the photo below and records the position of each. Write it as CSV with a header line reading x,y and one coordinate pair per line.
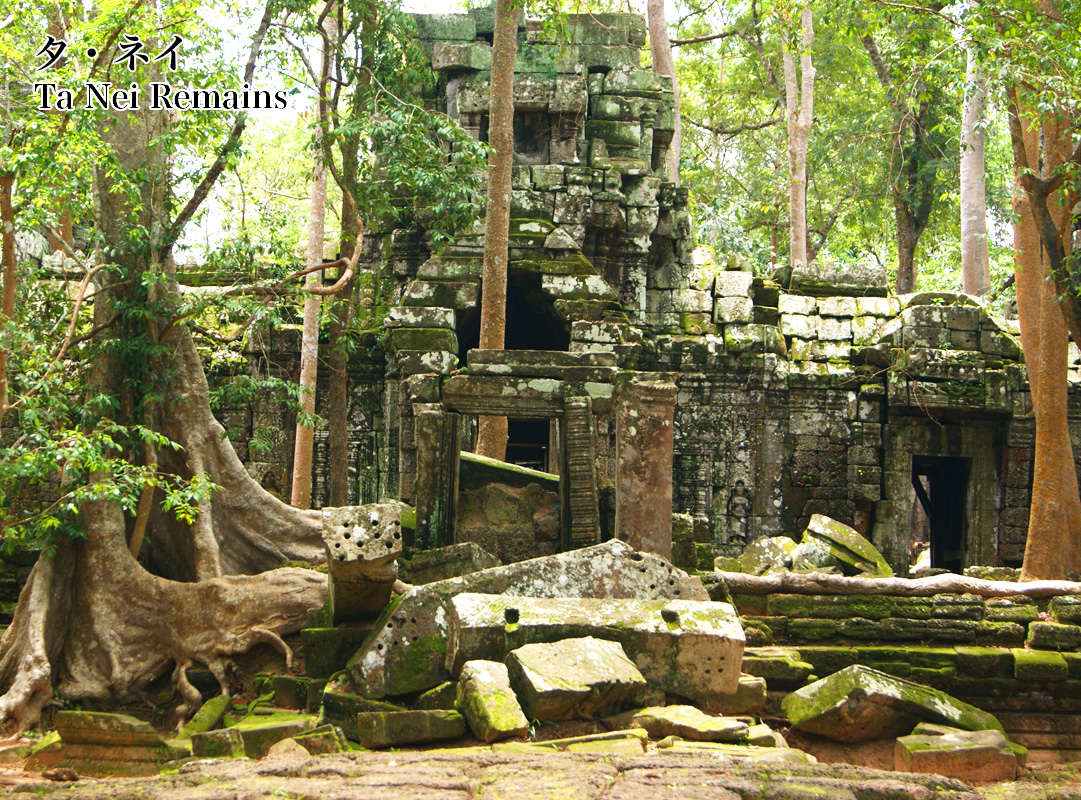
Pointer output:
x,y
31,644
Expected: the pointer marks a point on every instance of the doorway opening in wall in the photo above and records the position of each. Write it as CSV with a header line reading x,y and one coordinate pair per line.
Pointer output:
x,y
940,485
532,320
528,443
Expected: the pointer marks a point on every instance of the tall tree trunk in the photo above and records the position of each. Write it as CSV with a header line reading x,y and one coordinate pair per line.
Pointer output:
x,y
301,494
7,309
492,431
660,48
1053,547
92,623
799,99
975,262
338,385
908,236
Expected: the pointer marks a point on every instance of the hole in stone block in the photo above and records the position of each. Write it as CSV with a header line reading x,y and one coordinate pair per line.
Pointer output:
x,y
511,616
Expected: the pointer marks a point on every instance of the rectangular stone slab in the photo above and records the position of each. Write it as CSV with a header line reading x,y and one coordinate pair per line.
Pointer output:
x,y
92,727
689,648
407,651
396,728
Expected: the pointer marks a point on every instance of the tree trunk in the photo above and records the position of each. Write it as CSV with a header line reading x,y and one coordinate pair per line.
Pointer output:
x,y
799,99
338,386
301,494
7,263
660,48
975,261
1053,547
908,236
92,623
492,431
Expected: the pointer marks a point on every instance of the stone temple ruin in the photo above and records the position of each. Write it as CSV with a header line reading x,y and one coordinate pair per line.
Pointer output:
x,y
908,418
666,415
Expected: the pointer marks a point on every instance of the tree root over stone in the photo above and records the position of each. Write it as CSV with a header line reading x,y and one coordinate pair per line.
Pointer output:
x,y
94,625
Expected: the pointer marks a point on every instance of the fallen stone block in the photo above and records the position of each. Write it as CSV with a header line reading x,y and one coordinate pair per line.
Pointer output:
x,y
362,543
224,743
574,678
750,697
488,702
762,735
576,743
857,555
397,728
974,756
91,727
327,650
323,739
287,748
859,704
761,557
409,650
692,649
782,668
785,755
441,563
260,732
686,722
341,709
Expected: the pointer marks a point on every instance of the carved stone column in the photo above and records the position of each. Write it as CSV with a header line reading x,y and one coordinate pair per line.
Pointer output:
x,y
437,440
645,404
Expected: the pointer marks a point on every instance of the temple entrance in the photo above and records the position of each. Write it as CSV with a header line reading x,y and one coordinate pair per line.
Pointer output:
x,y
533,323
528,443
941,488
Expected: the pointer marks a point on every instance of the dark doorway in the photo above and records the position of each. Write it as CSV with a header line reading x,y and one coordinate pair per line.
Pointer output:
x,y
941,486
527,443
532,320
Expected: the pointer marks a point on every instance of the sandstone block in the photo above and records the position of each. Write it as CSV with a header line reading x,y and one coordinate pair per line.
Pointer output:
x,y
574,677
488,702
688,648
860,704
377,730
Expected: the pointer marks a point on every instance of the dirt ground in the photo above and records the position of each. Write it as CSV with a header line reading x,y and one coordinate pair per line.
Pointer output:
x,y
469,773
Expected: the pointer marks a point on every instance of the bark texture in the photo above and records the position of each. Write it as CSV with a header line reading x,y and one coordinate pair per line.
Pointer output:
x,y
975,261
660,49
799,99
93,623
492,431
1053,547
301,495
7,263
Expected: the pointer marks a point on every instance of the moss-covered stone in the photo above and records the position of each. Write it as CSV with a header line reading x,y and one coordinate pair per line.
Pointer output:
x,y
1039,665
327,650
845,543
1066,609
323,739
444,696
423,339
394,729
1009,609
488,702
1000,634
224,743
341,709
1053,636
984,662
781,668
260,732
860,704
